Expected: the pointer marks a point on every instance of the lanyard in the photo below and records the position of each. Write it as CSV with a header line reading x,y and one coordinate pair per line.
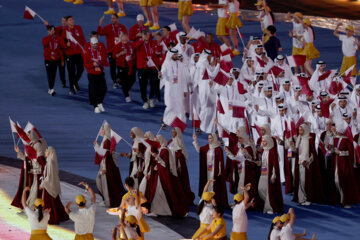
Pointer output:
x,y
146,50
127,47
177,70
118,30
281,121
54,45
97,55
233,93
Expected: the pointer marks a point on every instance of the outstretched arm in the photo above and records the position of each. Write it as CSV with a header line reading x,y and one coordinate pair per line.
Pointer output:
x,y
336,31
23,198
292,217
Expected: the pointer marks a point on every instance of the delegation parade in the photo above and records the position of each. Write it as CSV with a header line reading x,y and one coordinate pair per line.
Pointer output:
x,y
281,123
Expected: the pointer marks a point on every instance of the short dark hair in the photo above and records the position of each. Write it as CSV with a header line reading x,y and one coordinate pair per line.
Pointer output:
x,y
67,17
219,209
167,28
81,204
129,181
115,15
92,33
271,29
49,27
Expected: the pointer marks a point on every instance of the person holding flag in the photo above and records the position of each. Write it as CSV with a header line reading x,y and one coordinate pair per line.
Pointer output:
x,y
108,180
95,61
53,57
212,167
349,46
73,40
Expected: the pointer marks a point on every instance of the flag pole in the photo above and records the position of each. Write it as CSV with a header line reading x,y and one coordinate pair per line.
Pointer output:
x,y
40,17
127,142
97,136
237,29
12,131
158,131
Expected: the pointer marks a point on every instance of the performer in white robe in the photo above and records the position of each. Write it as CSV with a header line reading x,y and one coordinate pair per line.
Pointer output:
x,y
174,76
204,76
184,48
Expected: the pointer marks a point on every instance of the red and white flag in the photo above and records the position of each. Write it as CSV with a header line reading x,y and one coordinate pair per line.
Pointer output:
x,y
206,75
296,60
178,123
347,75
172,119
173,27
239,112
13,126
115,139
29,13
222,78
226,63
261,62
22,135
29,126
326,75
276,70
195,119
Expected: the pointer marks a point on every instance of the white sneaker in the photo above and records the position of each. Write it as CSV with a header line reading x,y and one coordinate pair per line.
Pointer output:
x,y
102,204
49,91
146,106
307,203
101,107
52,92
151,214
97,110
127,99
152,103
269,212
347,206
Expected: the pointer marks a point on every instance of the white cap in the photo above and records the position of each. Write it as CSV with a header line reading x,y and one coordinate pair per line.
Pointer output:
x,y
140,17
94,40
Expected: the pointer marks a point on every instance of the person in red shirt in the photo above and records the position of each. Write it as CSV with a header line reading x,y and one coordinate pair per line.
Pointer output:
x,y
52,56
94,62
160,50
73,51
112,33
145,54
124,53
100,44
136,30
210,44
58,32
169,36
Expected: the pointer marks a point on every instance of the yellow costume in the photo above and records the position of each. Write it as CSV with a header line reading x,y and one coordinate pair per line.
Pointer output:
x,y
39,235
144,227
143,3
234,21
297,51
347,63
310,51
215,223
202,227
87,236
185,9
238,236
221,29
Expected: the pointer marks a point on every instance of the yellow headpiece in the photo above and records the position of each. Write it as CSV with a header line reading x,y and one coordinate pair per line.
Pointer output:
x,y
207,196
39,202
238,197
285,217
307,21
350,28
79,199
276,219
131,219
299,15
259,3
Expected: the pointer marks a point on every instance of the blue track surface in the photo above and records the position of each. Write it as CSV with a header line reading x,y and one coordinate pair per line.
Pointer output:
x,y
69,124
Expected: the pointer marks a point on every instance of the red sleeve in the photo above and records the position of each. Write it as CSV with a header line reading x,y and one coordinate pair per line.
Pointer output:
x,y
82,39
63,40
103,53
115,50
132,33
46,41
101,31
123,28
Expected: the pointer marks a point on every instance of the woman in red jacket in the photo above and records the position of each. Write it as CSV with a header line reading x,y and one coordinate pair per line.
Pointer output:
x,y
95,60
53,57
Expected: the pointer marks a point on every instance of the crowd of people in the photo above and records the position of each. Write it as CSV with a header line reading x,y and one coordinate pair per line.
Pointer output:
x,y
277,122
